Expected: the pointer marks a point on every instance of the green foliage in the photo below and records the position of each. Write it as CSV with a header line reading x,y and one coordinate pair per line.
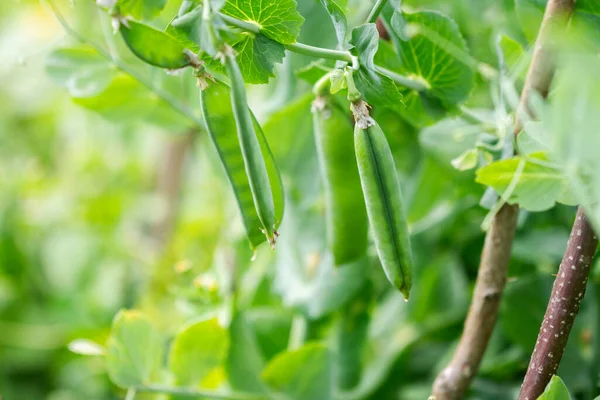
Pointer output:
x,y
289,373
556,390
134,350
378,89
123,197
197,351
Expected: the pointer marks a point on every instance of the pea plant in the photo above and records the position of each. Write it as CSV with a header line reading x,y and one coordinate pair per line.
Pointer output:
x,y
378,76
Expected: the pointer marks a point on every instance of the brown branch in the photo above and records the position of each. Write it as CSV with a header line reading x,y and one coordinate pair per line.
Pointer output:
x,y
455,379
453,382
563,307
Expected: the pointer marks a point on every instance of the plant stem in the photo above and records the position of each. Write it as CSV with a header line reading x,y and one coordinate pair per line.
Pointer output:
x,y
300,48
418,85
130,394
338,55
376,11
165,96
453,382
189,392
563,307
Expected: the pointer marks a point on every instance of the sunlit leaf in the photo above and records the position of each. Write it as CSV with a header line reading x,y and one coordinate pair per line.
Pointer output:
x,y
141,9
538,186
303,374
134,350
556,390
81,70
198,350
277,19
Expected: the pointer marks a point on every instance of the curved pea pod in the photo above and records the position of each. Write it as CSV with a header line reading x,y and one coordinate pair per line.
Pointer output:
x,y
153,46
347,224
385,208
221,126
254,161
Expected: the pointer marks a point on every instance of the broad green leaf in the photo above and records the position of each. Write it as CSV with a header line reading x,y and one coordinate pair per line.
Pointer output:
x,y
196,34
277,19
449,138
305,273
153,46
244,361
221,126
338,17
556,390
513,54
377,89
134,350
197,351
538,186
432,50
141,9
257,56
126,101
81,70
304,374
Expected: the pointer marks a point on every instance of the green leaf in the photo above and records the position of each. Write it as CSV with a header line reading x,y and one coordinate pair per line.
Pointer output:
x,y
305,275
134,350
80,70
467,160
153,46
556,390
304,374
141,9
277,19
221,126
257,56
338,17
245,360
449,138
538,186
377,89
197,351
431,49
125,100
514,55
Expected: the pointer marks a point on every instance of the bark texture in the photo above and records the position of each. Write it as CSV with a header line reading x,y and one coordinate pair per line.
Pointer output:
x,y
563,307
455,379
453,382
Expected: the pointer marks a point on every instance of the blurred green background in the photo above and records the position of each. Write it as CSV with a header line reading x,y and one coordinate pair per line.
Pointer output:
x,y
113,201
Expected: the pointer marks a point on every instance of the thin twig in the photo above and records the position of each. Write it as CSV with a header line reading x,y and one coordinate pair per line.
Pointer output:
x,y
455,379
563,307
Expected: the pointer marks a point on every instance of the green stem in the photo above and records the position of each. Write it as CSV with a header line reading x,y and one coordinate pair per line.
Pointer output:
x,y
319,52
354,94
376,11
130,394
418,85
165,96
299,48
189,392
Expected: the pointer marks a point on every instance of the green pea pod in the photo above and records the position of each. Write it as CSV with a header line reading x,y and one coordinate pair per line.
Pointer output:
x,y
153,46
254,160
385,208
221,126
347,225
